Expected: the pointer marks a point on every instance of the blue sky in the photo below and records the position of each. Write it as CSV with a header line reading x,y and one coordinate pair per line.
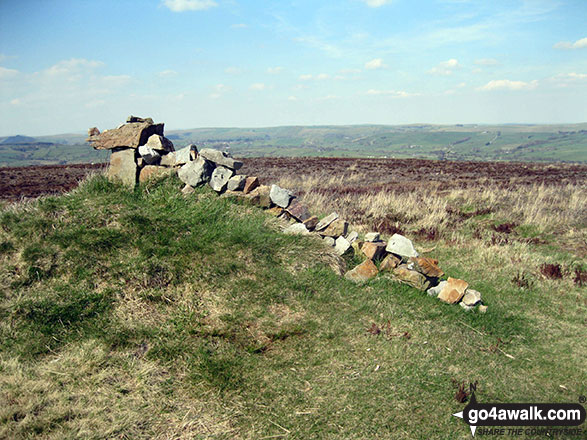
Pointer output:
x,y
69,65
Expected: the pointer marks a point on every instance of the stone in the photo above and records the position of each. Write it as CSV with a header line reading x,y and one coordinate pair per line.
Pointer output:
x,y
357,245
453,290
341,245
130,135
187,190
482,309
93,131
186,154
123,167
323,224
335,229
149,155
363,272
280,196
296,229
250,184
276,211
410,277
236,183
220,177
435,290
311,223
220,158
149,172
168,160
471,298
372,236
132,118
466,307
427,266
264,196
298,210
329,241
400,245
374,250
389,263
352,236
196,172
161,143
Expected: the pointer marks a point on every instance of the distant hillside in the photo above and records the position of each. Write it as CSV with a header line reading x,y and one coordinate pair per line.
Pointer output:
x,y
515,142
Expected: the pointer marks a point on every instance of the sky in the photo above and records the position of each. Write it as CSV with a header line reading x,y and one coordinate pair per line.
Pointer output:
x,y
66,65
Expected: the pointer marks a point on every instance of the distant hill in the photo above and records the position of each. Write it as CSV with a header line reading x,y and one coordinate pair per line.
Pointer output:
x,y
508,142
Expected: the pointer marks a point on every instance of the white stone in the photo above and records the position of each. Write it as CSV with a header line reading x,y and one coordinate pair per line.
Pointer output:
x,y
400,245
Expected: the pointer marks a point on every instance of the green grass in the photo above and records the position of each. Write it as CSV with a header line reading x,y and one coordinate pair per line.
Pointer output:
x,y
147,314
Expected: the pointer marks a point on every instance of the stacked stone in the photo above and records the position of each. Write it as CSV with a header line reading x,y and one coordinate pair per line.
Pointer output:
x,y
140,151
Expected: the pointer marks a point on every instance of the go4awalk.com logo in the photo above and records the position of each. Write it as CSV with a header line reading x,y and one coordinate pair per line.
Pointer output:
x,y
528,419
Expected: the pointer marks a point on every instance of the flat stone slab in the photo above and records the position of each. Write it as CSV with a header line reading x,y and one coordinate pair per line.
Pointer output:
x,y
298,210
280,196
372,236
220,158
453,290
427,266
123,167
341,245
389,263
335,229
323,224
151,172
296,229
400,245
363,272
311,222
352,236
131,135
410,277
196,172
161,143
236,183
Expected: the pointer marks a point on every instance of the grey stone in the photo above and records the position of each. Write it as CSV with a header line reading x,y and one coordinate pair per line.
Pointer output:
x,y
196,172
187,190
352,236
323,224
149,155
236,183
220,177
471,298
220,158
280,196
466,307
168,160
372,236
435,291
132,118
161,143
130,135
400,245
329,241
341,245
296,229
183,156
123,167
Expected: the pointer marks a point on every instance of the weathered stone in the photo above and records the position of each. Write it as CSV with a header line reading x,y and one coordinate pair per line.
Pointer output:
x,y
471,298
357,245
280,196
196,172
132,118
220,177
168,160
363,272
411,277
250,184
286,216
187,190
465,306
150,172
264,197
296,229
352,236
149,155
453,290
161,143
323,224
427,266
341,245
129,135
372,236
93,131
482,309
298,210
335,229
236,183
374,250
311,223
186,154
329,241
140,162
123,167
435,290
389,263
220,158
400,245
276,211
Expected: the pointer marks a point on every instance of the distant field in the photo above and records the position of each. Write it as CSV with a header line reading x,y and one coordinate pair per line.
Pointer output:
x,y
552,143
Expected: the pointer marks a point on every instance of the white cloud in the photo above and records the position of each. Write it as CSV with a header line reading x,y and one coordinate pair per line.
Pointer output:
x,y
257,86
506,84
391,93
233,70
376,63
579,44
292,98
219,90
15,101
73,65
445,67
323,76
7,73
306,77
487,62
568,79
238,26
167,73
376,3
189,5
274,70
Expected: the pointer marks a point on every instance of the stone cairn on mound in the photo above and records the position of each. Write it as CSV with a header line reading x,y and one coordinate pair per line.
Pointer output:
x,y
140,152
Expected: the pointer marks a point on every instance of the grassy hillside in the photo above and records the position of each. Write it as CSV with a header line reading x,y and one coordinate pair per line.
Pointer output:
x,y
457,142
148,314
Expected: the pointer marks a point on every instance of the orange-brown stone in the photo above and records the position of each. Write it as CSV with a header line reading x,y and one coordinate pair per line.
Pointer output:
x,y
374,250
363,272
453,291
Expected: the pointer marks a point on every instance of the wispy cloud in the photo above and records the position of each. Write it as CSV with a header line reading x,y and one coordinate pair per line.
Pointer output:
x,y
579,44
219,90
189,5
238,26
257,86
486,62
391,93
506,84
233,70
166,73
73,65
7,73
376,3
445,67
274,70
376,63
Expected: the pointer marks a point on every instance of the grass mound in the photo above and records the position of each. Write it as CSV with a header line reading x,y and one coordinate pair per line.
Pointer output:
x,y
148,314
